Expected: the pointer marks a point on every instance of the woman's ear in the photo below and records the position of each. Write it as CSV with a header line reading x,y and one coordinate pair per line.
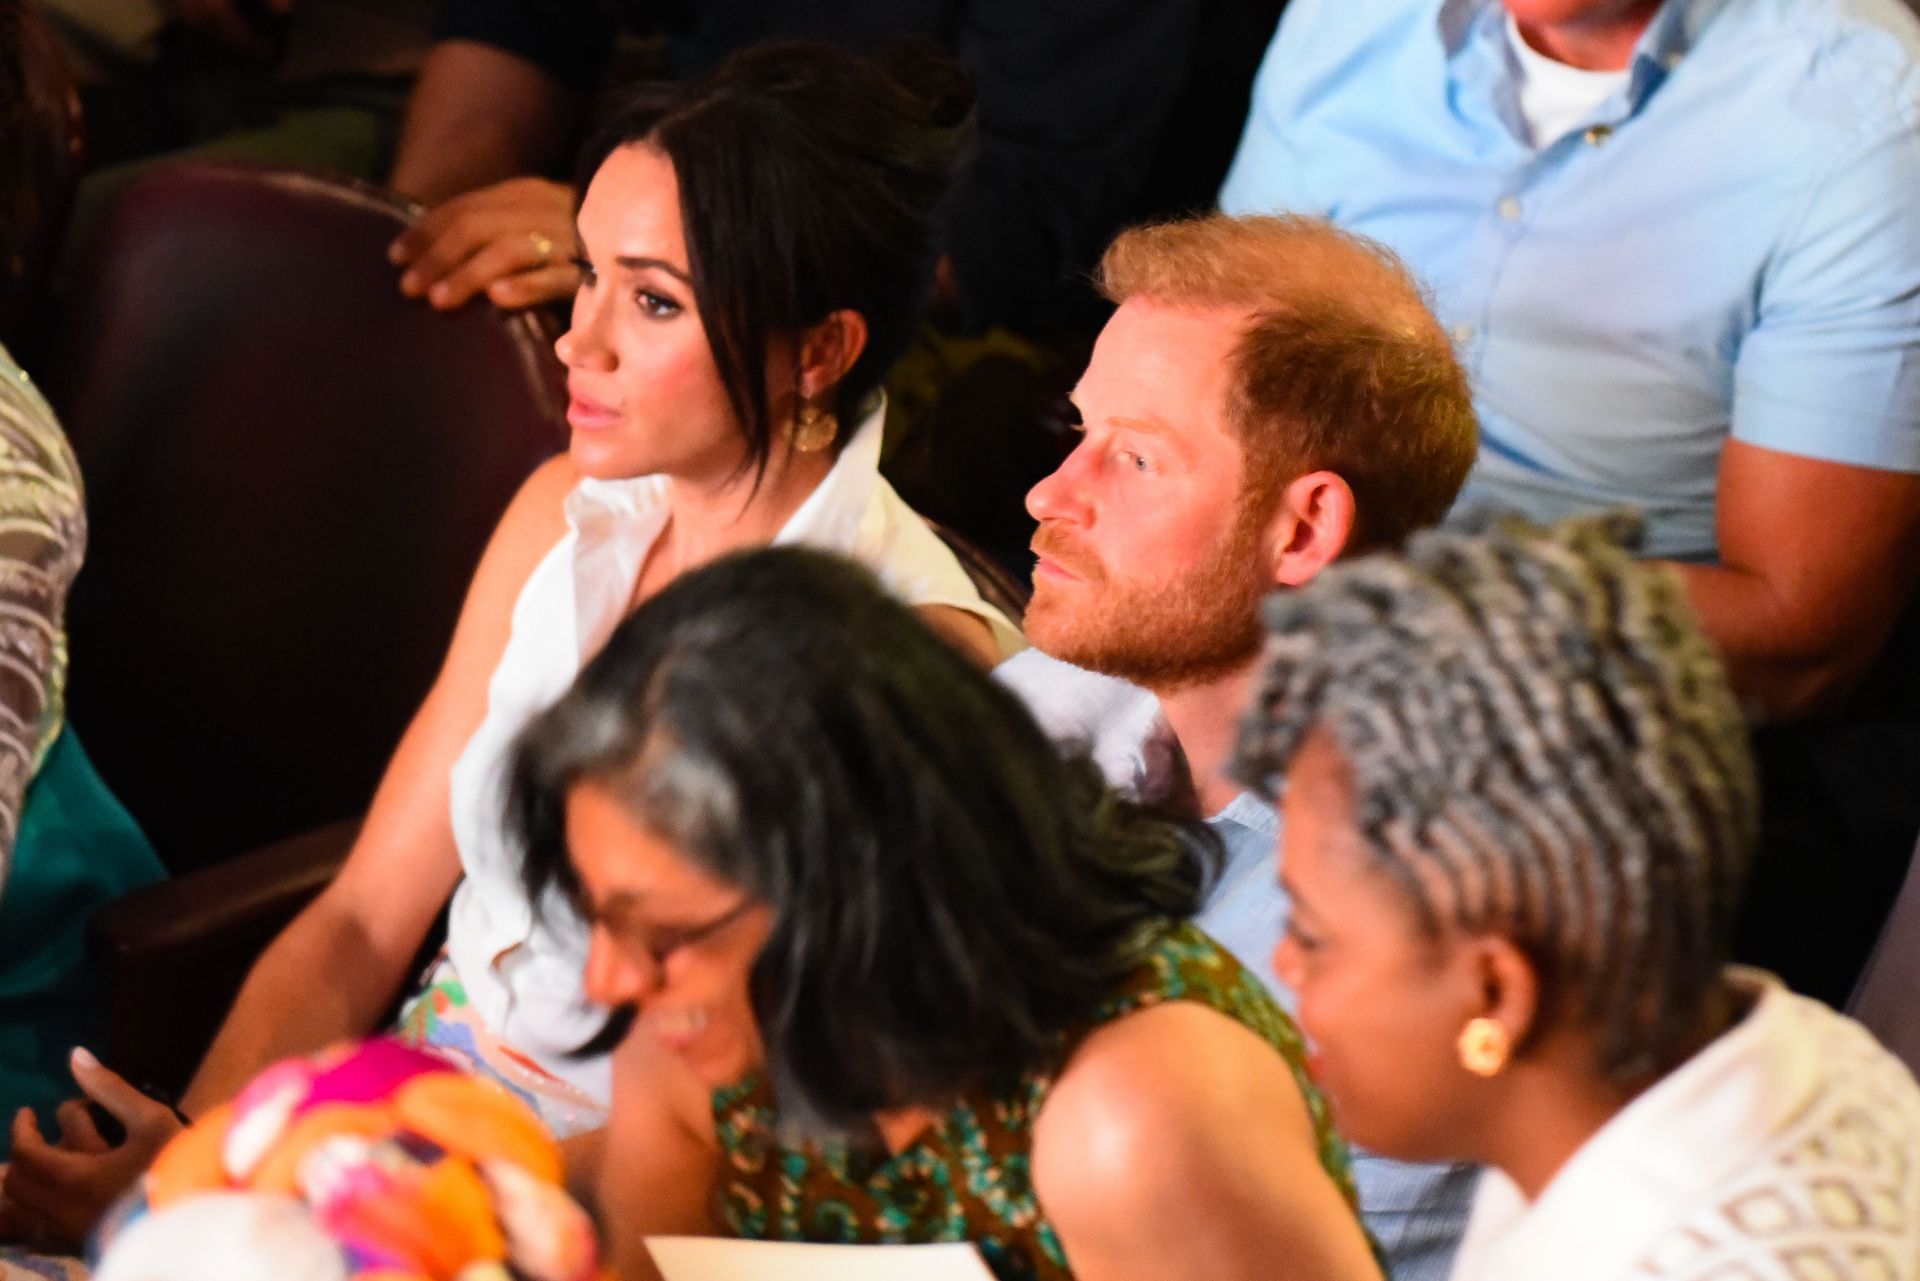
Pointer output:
x,y
1311,526
1510,987
828,349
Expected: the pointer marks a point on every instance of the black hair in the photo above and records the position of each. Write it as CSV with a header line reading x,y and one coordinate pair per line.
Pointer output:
x,y
810,177
950,893
1542,743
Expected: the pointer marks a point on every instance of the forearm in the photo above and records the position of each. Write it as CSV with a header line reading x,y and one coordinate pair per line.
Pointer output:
x,y
285,1008
478,115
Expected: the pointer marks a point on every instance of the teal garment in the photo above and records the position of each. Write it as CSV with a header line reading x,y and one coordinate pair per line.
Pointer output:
x,y
77,848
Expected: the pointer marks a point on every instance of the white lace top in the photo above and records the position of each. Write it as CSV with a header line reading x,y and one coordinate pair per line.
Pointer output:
x,y
43,537
1787,1150
522,970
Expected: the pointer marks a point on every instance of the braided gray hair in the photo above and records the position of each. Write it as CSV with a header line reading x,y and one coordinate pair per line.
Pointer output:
x,y
1542,744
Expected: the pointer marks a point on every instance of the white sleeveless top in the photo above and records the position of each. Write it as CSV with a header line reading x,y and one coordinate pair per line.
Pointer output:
x,y
522,970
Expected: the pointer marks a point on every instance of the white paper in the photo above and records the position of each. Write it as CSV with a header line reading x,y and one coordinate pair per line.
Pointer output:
x,y
725,1259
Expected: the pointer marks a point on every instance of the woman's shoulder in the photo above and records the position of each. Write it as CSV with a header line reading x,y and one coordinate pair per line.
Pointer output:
x,y
1160,1104
538,512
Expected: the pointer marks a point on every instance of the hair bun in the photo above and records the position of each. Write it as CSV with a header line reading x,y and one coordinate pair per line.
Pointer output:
x,y
938,84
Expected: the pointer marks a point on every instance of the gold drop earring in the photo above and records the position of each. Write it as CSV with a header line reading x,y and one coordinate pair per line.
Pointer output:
x,y
814,429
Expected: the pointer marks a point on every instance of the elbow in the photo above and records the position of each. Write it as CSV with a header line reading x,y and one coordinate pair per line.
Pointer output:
x,y
1817,683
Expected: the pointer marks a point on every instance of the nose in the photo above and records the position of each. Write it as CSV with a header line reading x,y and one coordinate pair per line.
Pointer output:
x,y
1062,496
614,976
584,345
1286,963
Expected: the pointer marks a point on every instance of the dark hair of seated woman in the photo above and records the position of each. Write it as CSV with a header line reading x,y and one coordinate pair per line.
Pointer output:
x,y
809,176
946,904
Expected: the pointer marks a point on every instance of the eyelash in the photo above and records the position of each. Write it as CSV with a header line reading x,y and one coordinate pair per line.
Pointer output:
x,y
1302,939
653,305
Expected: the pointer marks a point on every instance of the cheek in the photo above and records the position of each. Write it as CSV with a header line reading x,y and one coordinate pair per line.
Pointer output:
x,y
669,373
1383,1052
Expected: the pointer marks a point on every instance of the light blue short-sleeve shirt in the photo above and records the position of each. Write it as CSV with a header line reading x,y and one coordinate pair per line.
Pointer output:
x,y
1727,246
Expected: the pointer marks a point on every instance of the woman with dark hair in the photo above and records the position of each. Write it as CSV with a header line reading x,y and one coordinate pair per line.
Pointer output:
x,y
889,969
1520,809
756,245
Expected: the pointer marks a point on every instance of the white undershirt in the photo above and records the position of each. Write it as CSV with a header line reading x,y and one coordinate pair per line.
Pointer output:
x,y
1555,97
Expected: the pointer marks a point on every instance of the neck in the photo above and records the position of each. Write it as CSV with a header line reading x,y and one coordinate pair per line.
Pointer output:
x,y
706,520
1556,1102
1545,1117
1205,718
1596,42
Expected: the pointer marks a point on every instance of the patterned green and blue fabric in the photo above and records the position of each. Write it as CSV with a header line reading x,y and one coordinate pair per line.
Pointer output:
x,y
969,1177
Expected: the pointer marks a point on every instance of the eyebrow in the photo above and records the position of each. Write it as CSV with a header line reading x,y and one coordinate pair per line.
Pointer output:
x,y
616,905
642,264
1151,426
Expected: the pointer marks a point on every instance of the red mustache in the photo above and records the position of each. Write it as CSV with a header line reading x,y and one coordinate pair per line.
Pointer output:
x,y
1052,543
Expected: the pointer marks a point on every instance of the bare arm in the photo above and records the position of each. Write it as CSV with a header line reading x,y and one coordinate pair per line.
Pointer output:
x,y
365,929
478,116
1176,1134
966,632
661,1159
1817,560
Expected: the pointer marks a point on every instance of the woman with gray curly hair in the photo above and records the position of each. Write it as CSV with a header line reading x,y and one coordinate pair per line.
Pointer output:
x,y
1519,813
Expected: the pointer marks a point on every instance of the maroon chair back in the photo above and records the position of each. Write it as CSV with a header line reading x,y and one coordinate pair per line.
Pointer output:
x,y
36,201
1888,997
291,473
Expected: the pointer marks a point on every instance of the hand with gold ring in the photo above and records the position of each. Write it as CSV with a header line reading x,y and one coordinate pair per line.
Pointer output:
x,y
512,241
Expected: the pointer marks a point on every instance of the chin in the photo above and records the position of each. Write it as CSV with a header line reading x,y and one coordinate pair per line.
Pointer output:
x,y
602,458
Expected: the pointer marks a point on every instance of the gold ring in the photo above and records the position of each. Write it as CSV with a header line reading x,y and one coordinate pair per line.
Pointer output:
x,y
542,245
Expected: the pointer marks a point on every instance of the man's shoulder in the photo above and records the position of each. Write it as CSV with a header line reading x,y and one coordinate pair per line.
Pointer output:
x,y
1856,63
1315,33
1111,719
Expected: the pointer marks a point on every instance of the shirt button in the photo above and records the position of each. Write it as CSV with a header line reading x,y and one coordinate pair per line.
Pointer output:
x,y
1599,134
1462,334
1509,208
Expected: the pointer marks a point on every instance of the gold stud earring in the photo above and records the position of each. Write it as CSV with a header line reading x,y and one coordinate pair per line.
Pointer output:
x,y
814,429
1484,1047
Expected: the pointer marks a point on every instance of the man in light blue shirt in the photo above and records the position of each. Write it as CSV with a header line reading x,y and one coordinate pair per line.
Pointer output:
x,y
1676,247
1270,395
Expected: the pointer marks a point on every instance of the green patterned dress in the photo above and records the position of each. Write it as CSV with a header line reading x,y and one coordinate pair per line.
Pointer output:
x,y
969,1177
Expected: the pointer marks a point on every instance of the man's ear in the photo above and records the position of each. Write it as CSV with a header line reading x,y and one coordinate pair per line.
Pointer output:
x,y
1311,526
828,349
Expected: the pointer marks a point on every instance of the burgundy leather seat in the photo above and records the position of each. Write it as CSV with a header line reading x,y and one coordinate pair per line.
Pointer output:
x,y
291,474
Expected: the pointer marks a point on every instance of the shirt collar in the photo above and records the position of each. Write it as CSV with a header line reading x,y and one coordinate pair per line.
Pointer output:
x,y
834,513
1666,42
836,507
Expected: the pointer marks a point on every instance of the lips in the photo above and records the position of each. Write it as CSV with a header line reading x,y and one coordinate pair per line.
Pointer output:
x,y
1049,544
677,1029
586,413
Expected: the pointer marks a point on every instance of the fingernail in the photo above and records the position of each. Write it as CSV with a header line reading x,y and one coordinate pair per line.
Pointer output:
x,y
439,294
84,1060
395,254
410,284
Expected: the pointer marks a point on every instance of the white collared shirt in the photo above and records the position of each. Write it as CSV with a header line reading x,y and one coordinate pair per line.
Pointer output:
x,y
1786,1150
522,970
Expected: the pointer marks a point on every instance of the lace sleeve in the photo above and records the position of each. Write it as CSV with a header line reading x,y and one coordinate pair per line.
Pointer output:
x,y
42,541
